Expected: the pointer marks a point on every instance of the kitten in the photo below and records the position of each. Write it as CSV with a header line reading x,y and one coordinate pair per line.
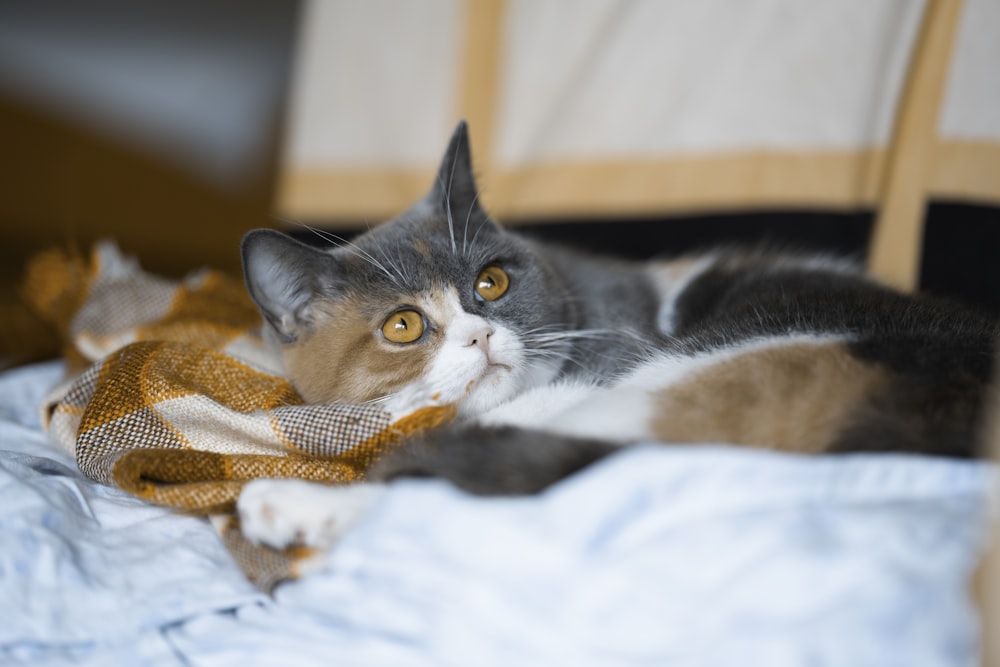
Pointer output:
x,y
556,357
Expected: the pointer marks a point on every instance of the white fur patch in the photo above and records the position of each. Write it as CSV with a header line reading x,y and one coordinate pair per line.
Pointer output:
x,y
670,280
536,408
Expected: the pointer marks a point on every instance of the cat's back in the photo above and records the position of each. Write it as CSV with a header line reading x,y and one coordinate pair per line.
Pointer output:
x,y
729,295
627,312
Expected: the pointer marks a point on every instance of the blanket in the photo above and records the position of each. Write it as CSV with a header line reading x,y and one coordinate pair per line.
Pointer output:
x,y
683,555
182,402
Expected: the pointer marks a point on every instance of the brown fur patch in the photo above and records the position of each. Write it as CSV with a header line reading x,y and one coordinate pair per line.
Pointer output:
x,y
793,398
346,359
422,248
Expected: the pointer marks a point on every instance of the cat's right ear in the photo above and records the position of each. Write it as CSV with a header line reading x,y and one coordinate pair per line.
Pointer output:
x,y
454,191
284,278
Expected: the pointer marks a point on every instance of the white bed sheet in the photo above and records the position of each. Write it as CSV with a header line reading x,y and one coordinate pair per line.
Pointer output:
x,y
656,556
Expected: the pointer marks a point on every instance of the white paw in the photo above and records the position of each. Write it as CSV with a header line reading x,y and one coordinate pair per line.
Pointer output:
x,y
285,512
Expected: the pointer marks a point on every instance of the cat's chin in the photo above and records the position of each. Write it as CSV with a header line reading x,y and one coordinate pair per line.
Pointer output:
x,y
500,384
475,394
497,385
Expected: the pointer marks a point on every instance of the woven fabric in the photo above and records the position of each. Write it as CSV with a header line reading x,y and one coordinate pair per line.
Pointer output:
x,y
183,402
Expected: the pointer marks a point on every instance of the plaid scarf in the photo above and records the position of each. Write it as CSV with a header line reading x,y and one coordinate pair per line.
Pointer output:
x,y
175,398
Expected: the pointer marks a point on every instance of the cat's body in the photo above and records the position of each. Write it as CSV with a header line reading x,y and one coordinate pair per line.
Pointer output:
x,y
555,357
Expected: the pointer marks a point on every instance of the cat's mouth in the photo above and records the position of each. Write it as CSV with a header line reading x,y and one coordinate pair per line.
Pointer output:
x,y
493,385
493,375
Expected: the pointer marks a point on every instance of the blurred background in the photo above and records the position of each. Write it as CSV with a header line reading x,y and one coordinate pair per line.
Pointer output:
x,y
639,127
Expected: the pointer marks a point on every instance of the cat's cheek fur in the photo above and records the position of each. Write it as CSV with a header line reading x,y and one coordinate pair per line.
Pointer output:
x,y
342,360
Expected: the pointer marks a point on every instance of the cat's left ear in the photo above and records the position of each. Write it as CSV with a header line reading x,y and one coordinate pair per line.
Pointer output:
x,y
454,188
286,278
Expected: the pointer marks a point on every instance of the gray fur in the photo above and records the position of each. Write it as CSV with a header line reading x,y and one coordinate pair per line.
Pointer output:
x,y
491,461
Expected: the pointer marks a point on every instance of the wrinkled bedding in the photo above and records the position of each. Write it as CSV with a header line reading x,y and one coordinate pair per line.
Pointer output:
x,y
656,556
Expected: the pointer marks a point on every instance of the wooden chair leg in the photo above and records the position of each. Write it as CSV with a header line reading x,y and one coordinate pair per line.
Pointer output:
x,y
897,239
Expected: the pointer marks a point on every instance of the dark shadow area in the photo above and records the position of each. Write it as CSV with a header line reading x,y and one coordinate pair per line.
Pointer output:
x,y
961,246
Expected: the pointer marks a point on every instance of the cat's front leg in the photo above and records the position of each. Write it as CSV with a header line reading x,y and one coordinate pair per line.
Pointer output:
x,y
290,512
491,461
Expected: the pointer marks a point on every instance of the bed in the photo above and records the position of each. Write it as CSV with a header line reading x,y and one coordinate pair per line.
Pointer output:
x,y
661,554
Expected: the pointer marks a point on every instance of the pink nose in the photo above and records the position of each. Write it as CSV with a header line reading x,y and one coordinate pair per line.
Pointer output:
x,y
481,338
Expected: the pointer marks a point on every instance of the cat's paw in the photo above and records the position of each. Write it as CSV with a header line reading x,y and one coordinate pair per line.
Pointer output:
x,y
289,512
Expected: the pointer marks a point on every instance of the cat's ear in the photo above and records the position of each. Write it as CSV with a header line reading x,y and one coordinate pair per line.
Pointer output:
x,y
284,278
454,190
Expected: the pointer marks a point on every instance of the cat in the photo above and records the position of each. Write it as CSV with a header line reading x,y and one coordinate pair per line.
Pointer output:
x,y
556,357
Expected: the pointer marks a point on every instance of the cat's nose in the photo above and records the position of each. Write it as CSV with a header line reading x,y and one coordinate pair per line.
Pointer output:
x,y
481,338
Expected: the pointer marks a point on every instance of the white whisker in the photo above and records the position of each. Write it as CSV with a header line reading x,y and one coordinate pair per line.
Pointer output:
x,y
465,232
476,235
545,327
341,242
552,355
376,401
447,197
539,336
393,264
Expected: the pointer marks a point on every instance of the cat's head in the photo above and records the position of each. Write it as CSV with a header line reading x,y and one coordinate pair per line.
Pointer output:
x,y
439,303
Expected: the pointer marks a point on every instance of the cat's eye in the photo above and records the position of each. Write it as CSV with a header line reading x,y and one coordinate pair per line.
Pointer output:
x,y
492,283
403,326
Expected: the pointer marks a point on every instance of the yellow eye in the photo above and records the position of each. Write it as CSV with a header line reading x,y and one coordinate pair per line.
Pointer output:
x,y
404,326
492,283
